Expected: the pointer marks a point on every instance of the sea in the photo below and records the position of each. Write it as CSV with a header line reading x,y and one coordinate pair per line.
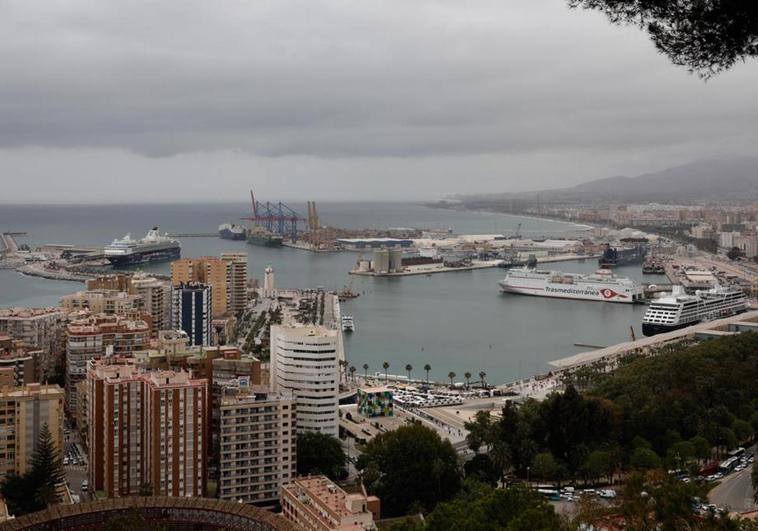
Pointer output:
x,y
456,322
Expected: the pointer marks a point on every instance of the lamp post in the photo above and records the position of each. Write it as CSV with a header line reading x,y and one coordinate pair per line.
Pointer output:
x,y
527,477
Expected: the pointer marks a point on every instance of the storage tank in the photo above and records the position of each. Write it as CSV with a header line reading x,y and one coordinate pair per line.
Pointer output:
x,y
381,261
396,260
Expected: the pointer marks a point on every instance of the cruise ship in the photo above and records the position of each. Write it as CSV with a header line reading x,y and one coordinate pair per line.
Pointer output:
x,y
154,247
680,310
602,285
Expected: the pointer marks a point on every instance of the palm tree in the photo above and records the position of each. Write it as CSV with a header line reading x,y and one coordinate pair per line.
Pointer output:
x,y
386,366
408,369
427,368
482,374
352,372
451,375
365,371
468,379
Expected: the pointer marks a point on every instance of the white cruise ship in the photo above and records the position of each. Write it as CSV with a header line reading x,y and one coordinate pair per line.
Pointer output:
x,y
602,285
680,310
153,247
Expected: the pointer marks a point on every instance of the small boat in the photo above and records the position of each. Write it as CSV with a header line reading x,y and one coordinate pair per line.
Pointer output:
x,y
347,323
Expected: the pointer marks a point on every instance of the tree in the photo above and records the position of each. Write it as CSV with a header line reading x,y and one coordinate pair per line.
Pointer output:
x,y
36,489
742,430
318,453
386,366
514,509
734,253
467,376
352,372
416,466
705,36
482,376
644,459
408,369
451,375
481,468
365,372
544,466
427,368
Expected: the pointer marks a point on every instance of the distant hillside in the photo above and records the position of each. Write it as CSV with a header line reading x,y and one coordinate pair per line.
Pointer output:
x,y
733,180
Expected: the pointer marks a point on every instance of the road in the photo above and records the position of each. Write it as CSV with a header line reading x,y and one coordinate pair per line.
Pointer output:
x,y
735,492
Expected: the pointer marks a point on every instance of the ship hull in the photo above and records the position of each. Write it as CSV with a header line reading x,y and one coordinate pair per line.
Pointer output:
x,y
650,329
567,293
265,242
226,234
162,255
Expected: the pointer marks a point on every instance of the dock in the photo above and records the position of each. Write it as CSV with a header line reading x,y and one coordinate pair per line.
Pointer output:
x,y
728,325
194,235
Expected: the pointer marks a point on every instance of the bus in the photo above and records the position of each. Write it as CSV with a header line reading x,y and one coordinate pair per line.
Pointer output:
x,y
727,466
738,452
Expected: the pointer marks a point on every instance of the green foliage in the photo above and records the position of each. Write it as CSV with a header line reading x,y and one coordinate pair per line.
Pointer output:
x,y
318,453
706,36
35,490
644,459
513,509
481,468
544,466
416,467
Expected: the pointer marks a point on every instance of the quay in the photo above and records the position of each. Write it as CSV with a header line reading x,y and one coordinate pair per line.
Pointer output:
x,y
430,269
727,326
194,235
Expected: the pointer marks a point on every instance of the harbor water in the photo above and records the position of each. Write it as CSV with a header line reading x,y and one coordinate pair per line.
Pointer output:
x,y
455,322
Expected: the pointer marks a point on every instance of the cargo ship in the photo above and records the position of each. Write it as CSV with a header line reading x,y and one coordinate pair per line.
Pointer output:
x,y
261,236
154,247
652,267
615,256
680,310
601,286
230,231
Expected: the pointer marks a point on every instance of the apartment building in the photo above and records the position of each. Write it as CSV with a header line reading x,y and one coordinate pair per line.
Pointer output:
x,y
316,503
156,300
207,270
104,301
146,428
18,362
236,281
23,412
98,336
305,362
37,327
257,447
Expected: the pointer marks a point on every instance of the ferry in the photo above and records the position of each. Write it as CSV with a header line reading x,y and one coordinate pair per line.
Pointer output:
x,y
154,247
680,310
347,323
230,231
602,285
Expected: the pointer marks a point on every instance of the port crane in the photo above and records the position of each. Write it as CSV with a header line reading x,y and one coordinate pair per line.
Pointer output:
x,y
275,217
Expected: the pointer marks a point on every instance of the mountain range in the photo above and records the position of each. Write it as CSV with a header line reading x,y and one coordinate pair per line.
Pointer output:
x,y
708,181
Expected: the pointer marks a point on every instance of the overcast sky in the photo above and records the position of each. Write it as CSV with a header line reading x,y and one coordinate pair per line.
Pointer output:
x,y
339,99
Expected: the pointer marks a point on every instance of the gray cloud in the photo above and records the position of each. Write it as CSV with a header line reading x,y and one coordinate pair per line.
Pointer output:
x,y
485,91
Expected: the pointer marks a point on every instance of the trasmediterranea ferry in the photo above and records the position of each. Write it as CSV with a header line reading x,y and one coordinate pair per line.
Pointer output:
x,y
601,286
680,310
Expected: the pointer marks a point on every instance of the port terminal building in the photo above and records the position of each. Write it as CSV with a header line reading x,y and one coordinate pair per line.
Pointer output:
x,y
361,244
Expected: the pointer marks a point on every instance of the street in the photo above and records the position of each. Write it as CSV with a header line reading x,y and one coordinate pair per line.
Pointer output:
x,y
735,492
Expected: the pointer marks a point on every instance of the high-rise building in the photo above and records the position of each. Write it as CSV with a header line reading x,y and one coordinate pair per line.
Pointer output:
x,y
236,282
23,412
305,362
207,270
257,447
95,337
192,311
146,428
38,327
156,300
316,503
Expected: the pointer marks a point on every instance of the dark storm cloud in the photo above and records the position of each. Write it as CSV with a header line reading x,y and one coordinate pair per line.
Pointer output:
x,y
373,81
